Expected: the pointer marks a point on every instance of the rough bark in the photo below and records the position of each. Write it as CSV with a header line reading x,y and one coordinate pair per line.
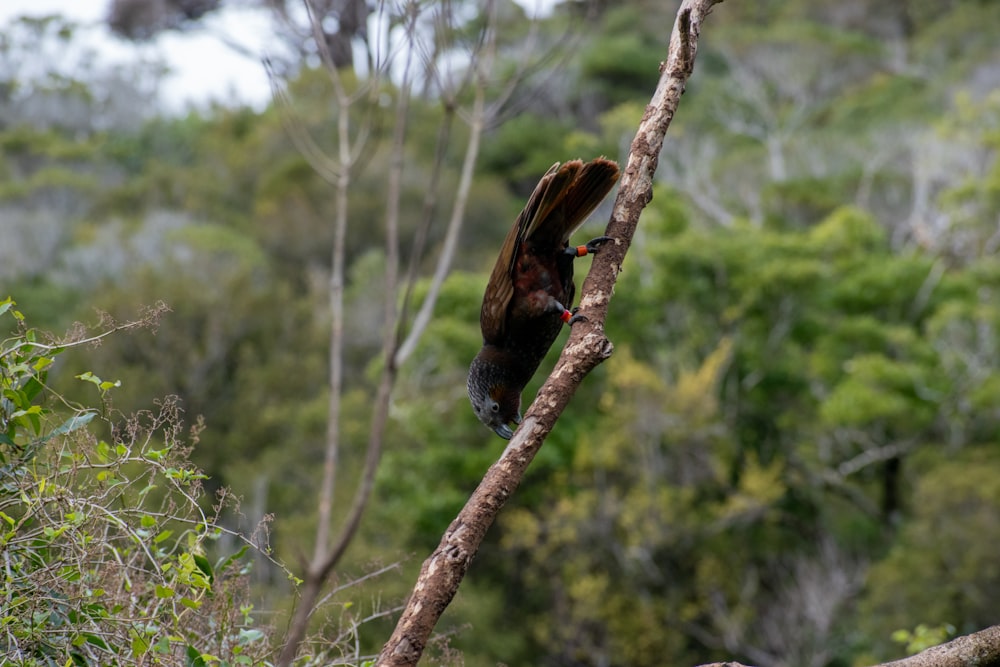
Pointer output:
x,y
980,649
587,347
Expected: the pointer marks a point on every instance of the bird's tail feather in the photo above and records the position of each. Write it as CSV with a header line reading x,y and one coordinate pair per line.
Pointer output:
x,y
564,198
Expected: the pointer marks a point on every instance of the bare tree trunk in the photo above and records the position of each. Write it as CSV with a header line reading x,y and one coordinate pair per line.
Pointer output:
x,y
328,551
443,267
338,173
477,121
587,347
336,341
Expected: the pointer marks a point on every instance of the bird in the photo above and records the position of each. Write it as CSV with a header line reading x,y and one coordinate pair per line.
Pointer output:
x,y
530,290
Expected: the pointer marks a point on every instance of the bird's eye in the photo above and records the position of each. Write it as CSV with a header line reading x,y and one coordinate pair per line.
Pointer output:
x,y
495,407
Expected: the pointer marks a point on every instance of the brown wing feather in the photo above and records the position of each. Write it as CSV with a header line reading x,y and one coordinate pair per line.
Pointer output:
x,y
540,214
560,203
588,191
500,288
499,291
589,186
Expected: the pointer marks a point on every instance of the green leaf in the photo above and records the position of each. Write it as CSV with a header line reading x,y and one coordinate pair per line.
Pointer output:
x,y
87,376
155,455
164,591
36,421
194,657
248,635
224,563
103,385
42,363
204,566
75,422
139,644
31,410
32,388
54,533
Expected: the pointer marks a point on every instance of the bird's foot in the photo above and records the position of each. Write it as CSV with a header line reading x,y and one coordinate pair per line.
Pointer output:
x,y
591,248
571,317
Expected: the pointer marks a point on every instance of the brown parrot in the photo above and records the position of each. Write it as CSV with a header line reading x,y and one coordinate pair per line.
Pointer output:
x,y
531,288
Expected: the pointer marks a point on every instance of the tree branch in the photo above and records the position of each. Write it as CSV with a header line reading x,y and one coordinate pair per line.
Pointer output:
x,y
476,121
587,347
980,649
338,173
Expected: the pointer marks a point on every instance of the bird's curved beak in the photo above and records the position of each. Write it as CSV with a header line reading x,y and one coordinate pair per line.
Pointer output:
x,y
504,431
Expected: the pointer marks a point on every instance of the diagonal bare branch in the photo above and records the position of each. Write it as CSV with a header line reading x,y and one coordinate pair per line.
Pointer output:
x,y
587,347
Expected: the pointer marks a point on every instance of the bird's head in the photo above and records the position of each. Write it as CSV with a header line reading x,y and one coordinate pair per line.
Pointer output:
x,y
495,402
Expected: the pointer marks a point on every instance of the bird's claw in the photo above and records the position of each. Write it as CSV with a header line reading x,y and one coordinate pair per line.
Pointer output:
x,y
591,248
593,245
576,316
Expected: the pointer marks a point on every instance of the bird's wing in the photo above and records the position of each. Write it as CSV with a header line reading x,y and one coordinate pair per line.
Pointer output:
x,y
573,194
588,189
548,197
561,201
500,288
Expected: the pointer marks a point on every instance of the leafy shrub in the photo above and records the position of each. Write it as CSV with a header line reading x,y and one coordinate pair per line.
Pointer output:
x,y
105,540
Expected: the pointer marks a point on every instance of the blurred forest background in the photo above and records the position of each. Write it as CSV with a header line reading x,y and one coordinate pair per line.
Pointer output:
x,y
794,452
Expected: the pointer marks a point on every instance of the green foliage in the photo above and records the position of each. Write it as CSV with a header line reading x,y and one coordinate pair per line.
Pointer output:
x,y
943,563
623,61
923,637
801,409
523,148
105,542
761,376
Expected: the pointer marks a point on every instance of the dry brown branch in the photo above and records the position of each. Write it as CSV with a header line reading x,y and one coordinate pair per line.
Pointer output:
x,y
587,347
980,649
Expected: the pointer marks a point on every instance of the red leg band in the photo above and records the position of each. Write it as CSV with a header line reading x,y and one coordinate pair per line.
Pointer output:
x,y
566,316
581,250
